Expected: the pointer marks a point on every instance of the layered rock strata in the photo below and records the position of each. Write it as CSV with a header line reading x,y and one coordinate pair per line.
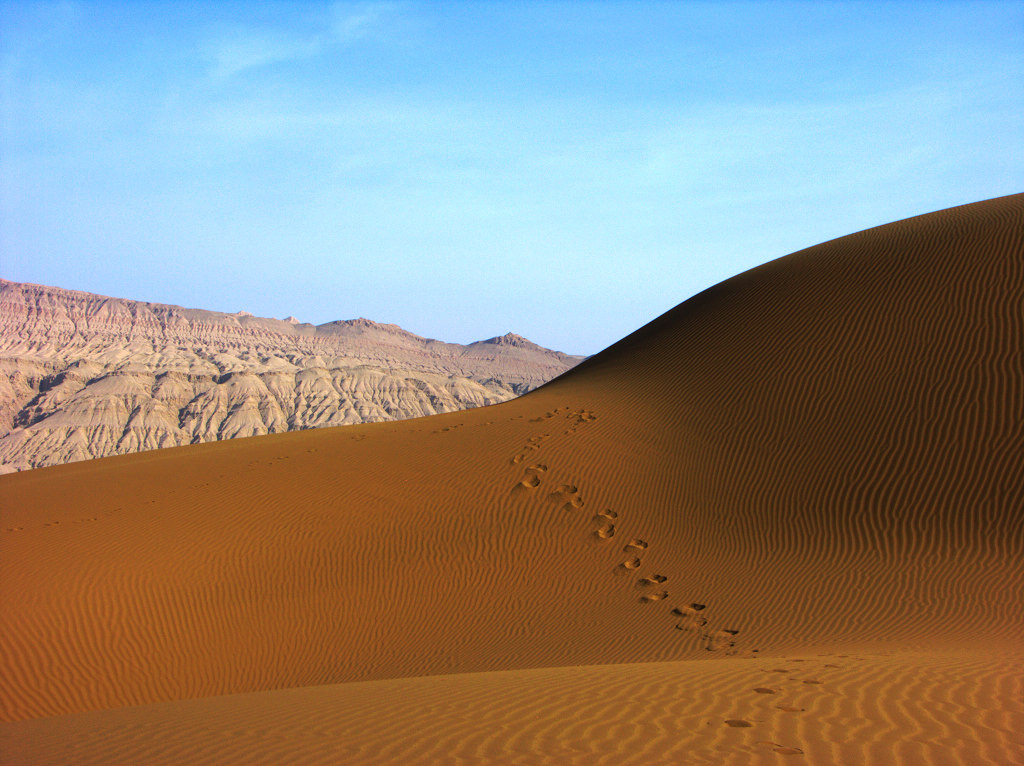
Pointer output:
x,y
85,376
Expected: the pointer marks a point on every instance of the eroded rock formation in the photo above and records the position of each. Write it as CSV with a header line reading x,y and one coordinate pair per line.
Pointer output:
x,y
86,376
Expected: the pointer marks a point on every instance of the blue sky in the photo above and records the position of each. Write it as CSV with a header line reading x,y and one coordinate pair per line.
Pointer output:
x,y
567,171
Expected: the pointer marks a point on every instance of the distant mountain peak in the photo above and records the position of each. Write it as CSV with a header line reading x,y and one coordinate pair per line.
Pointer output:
x,y
511,339
362,324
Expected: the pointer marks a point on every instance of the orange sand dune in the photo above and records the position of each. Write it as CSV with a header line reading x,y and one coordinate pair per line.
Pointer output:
x,y
863,709
821,459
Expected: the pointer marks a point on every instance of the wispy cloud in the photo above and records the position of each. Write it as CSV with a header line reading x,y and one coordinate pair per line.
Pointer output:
x,y
354,22
246,48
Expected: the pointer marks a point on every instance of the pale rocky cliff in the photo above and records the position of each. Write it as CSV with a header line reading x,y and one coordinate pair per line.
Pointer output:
x,y
85,376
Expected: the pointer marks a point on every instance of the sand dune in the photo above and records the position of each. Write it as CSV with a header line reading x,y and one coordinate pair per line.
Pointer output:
x,y
783,520
864,709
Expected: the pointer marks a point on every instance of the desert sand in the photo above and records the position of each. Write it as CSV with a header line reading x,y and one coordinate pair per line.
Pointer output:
x,y
782,523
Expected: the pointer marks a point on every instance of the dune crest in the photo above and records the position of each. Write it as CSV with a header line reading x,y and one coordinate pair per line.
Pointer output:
x,y
783,520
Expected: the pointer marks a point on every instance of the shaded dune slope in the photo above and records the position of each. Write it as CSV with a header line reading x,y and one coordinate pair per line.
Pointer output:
x,y
824,454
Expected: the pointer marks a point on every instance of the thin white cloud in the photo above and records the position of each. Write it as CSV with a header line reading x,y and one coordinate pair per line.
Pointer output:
x,y
250,50
352,22
246,49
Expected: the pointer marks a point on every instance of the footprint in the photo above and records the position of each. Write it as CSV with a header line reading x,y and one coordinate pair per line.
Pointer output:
x,y
738,723
530,482
635,544
532,478
652,580
608,513
630,564
650,597
765,690
569,496
692,622
606,532
791,709
582,416
720,639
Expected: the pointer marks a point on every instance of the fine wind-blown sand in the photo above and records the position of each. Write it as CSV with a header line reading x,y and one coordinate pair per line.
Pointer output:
x,y
781,523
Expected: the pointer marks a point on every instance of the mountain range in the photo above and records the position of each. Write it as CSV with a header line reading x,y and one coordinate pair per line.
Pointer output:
x,y
88,376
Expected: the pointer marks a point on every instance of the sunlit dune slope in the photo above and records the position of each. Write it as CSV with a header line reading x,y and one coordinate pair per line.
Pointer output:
x,y
850,710
824,454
